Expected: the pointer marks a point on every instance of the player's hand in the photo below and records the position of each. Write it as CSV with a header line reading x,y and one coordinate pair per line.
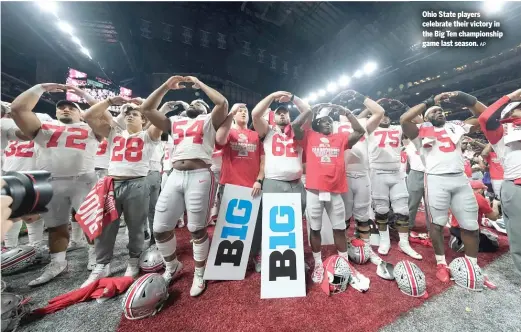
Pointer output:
x,y
118,101
515,96
256,189
138,101
194,80
341,110
444,96
173,83
177,106
316,108
281,96
5,205
236,107
54,87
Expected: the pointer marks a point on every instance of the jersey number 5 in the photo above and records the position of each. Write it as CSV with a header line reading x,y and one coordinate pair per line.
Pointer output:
x,y
195,131
446,143
133,147
279,149
73,135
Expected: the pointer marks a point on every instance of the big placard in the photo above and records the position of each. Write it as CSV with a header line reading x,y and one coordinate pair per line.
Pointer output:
x,y
233,235
283,270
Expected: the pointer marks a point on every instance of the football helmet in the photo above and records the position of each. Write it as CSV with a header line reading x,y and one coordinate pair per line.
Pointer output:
x,y
410,279
336,275
14,307
17,259
151,260
358,251
466,274
145,297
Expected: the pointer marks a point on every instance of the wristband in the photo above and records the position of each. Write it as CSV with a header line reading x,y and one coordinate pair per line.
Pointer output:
x,y
259,181
429,102
37,89
464,99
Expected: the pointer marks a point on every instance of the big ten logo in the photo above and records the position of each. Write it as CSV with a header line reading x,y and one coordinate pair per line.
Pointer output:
x,y
237,217
282,260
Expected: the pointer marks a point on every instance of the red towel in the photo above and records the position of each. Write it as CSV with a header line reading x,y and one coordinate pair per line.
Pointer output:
x,y
105,287
99,208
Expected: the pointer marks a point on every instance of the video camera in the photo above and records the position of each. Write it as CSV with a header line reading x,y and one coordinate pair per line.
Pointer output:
x,y
30,191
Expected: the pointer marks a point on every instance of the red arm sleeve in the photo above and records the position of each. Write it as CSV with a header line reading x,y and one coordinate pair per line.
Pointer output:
x,y
483,205
489,120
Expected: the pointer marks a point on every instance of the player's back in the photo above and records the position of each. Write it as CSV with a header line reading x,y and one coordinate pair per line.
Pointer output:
x,y
385,148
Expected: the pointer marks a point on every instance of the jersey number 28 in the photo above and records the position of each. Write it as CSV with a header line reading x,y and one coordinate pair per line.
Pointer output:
x,y
131,148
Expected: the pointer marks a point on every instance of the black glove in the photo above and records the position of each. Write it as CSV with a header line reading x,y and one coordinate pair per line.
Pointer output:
x,y
350,99
392,105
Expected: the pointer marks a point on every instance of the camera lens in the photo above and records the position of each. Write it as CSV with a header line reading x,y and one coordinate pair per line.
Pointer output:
x,y
30,191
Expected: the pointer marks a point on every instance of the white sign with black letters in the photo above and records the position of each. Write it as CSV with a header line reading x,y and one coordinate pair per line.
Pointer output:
x,y
283,269
233,235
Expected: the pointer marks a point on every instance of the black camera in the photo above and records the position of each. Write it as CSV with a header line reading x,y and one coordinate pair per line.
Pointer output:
x,y
30,191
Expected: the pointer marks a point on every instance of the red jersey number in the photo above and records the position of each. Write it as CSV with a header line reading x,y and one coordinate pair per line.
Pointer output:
x,y
345,128
20,149
280,149
195,131
73,136
102,148
390,138
130,149
446,144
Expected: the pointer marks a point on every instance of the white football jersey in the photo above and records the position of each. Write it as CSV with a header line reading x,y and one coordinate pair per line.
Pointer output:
x,y
130,154
283,156
443,156
157,155
19,156
217,160
192,138
385,147
8,130
510,156
167,148
102,155
356,159
65,149
415,160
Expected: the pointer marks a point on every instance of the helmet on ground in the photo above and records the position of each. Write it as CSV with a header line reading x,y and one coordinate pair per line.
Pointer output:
x,y
145,297
336,275
151,260
14,307
467,274
17,259
410,279
358,251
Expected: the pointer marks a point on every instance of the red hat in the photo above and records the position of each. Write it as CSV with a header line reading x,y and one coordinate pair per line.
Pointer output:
x,y
477,184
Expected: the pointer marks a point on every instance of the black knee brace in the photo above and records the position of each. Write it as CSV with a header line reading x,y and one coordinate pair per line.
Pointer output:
x,y
360,224
382,218
402,220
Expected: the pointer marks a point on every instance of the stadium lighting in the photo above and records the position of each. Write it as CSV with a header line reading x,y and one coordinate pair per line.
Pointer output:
x,y
344,80
331,87
493,6
370,67
48,6
86,52
322,93
358,74
76,40
312,97
65,27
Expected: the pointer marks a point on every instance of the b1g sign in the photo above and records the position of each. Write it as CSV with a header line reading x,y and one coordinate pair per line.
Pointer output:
x,y
283,272
233,235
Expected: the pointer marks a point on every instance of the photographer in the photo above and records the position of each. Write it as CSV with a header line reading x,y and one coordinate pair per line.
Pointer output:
x,y
6,202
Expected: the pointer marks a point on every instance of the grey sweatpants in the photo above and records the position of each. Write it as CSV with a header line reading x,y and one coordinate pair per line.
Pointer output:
x,y
416,188
154,183
132,198
510,194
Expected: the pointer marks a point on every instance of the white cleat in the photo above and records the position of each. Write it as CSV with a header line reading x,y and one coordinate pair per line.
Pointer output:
x,y
51,271
358,281
132,268
384,248
318,274
374,258
73,245
92,258
198,285
406,249
99,271
171,275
